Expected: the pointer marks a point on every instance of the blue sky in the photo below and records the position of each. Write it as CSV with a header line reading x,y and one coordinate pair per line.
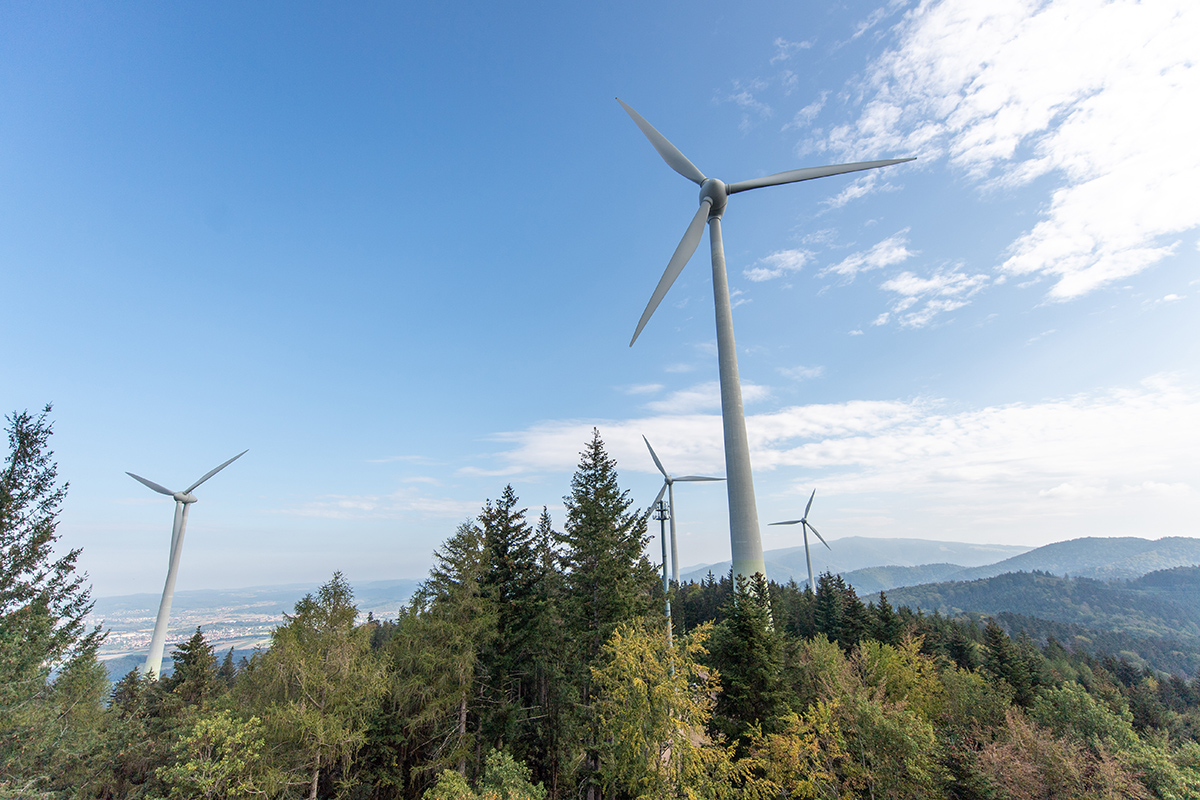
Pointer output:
x,y
398,252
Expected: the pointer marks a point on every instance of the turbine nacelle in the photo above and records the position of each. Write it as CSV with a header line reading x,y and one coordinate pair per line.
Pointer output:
x,y
714,191
184,497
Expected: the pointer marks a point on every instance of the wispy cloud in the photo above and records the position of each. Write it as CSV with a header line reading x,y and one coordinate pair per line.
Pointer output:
x,y
922,299
394,459
397,505
805,116
802,373
704,397
777,264
892,250
784,49
1096,94
745,95
643,388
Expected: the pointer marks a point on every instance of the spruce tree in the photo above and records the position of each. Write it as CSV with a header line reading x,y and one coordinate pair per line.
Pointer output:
x,y
43,602
608,579
748,653
194,678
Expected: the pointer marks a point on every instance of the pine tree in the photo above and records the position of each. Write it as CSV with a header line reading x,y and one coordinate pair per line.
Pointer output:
x,y
435,654
748,653
319,683
227,672
608,579
43,602
194,678
885,625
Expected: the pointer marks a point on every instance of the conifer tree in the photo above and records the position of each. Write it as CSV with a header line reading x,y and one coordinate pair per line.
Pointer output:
x,y
43,602
608,579
194,678
319,682
435,655
748,653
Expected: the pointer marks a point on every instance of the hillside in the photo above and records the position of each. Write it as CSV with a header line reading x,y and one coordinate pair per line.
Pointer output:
x,y
1110,606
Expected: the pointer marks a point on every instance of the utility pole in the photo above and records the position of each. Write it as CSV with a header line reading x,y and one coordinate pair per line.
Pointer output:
x,y
662,513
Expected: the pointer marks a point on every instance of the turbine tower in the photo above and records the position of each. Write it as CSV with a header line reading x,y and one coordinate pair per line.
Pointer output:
x,y
182,500
669,488
744,535
803,521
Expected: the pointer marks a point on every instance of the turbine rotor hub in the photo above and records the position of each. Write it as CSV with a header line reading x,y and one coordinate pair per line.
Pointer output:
x,y
714,190
184,497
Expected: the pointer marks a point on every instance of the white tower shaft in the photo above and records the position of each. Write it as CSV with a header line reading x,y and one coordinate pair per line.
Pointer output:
x,y
158,640
744,537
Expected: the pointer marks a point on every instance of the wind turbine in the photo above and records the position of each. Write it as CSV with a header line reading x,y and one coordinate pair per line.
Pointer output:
x,y
744,535
803,521
669,488
182,501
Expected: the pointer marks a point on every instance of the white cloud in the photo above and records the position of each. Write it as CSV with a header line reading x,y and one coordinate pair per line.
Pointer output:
x,y
805,116
777,264
1144,437
892,250
784,49
1098,94
922,299
703,397
644,388
802,373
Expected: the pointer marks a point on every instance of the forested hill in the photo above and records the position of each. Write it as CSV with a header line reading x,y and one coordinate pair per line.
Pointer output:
x,y
1161,604
1102,558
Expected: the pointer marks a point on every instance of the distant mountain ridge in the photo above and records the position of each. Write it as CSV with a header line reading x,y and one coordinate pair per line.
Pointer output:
x,y
1089,557
861,552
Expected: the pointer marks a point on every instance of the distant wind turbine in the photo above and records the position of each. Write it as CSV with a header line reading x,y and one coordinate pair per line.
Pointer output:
x,y
182,501
669,488
745,538
803,522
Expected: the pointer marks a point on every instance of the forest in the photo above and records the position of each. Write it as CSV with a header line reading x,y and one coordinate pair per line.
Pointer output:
x,y
534,663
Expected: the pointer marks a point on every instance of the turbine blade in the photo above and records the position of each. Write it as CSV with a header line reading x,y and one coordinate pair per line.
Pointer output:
x,y
698,478
657,463
808,173
819,536
809,506
151,484
687,246
788,522
669,152
212,472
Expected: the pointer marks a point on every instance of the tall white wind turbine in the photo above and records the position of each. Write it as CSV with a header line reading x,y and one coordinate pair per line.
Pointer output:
x,y
744,535
803,522
669,488
182,501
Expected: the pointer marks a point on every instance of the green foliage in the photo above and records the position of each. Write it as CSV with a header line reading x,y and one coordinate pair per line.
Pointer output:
x,y
503,779
748,653
316,687
42,601
194,678
220,756
653,703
